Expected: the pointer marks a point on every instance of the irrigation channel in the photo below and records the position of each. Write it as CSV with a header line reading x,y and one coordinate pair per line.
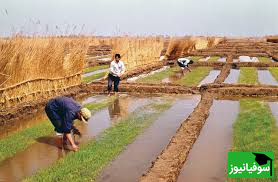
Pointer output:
x,y
144,75
233,76
265,77
208,159
210,78
138,156
48,149
94,72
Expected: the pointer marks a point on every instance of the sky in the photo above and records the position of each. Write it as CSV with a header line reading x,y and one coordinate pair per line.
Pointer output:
x,y
139,17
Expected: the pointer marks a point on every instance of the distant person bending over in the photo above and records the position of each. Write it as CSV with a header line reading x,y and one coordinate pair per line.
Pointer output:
x,y
116,71
184,63
62,111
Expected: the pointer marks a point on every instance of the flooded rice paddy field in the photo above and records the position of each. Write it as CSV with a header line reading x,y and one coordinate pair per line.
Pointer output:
x,y
166,114
215,140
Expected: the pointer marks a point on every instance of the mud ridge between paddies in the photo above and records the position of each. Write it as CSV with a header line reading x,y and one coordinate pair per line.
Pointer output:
x,y
168,164
246,90
101,87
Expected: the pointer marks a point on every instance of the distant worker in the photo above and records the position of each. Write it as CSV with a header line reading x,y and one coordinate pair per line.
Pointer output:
x,y
116,71
184,63
62,111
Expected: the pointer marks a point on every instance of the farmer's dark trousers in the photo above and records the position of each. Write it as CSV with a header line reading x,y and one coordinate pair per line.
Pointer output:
x,y
116,81
50,114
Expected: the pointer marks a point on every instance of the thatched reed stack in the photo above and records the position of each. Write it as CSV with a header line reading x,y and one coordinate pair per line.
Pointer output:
x,y
32,68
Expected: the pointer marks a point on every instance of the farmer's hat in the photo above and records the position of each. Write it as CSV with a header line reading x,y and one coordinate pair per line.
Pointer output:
x,y
85,114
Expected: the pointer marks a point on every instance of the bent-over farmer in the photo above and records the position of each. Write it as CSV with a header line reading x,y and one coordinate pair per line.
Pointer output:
x,y
62,111
116,71
184,63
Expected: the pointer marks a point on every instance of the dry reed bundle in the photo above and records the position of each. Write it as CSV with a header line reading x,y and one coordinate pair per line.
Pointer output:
x,y
137,52
35,67
273,39
183,45
179,46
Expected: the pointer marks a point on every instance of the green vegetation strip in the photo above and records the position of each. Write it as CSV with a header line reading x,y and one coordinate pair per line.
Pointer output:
x,y
19,141
248,75
214,58
264,59
157,77
196,58
93,77
95,68
194,77
274,72
95,106
255,131
87,163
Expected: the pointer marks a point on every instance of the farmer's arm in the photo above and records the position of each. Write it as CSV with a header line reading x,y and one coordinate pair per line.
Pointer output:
x,y
67,127
123,69
69,137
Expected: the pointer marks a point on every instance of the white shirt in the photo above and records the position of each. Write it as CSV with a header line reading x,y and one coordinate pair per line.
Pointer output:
x,y
184,61
116,68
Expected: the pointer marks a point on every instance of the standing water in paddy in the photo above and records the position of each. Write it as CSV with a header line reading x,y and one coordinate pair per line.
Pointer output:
x,y
222,59
233,76
144,75
266,78
274,109
210,78
172,78
138,156
94,72
95,98
48,149
210,151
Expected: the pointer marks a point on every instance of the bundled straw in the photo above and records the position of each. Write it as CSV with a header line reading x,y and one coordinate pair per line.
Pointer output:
x,y
137,52
183,45
39,67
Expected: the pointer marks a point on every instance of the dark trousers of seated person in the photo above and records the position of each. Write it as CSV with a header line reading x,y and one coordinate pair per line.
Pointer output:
x,y
116,81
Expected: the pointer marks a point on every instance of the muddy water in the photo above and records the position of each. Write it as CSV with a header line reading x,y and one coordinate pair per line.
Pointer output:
x,y
223,59
233,76
132,79
95,98
27,122
172,78
210,78
274,109
248,59
265,77
21,124
94,72
208,159
138,156
48,149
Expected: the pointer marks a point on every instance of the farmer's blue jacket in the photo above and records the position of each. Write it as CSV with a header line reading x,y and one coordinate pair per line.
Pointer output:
x,y
62,111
